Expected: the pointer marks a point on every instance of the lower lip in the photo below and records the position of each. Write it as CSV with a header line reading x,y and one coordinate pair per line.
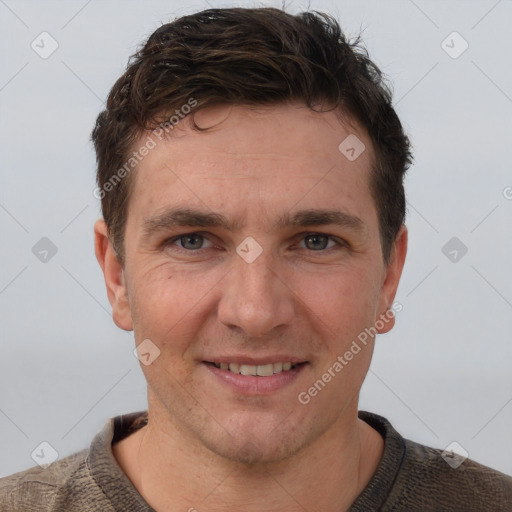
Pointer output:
x,y
253,385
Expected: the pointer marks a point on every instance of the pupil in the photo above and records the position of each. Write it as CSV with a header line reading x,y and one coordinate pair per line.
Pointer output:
x,y
192,237
316,238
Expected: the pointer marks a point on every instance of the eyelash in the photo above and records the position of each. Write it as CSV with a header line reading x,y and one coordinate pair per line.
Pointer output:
x,y
340,242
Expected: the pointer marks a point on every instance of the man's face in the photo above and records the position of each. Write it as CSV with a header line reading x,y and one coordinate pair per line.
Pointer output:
x,y
211,297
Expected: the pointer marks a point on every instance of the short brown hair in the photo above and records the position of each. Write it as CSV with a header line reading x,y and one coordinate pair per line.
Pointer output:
x,y
257,56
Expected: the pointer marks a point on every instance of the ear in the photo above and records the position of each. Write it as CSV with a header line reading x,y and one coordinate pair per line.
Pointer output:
x,y
392,276
113,273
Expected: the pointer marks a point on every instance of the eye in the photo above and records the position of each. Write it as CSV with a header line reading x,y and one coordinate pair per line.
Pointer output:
x,y
189,241
319,241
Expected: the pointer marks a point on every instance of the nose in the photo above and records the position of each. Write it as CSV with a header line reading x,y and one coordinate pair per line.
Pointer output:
x,y
256,298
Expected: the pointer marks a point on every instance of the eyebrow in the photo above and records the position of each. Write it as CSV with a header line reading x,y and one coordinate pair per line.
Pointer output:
x,y
180,216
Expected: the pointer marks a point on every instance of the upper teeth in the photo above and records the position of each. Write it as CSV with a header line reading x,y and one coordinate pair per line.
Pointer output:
x,y
262,370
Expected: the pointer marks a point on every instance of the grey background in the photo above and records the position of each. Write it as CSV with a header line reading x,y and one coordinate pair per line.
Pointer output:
x,y
442,375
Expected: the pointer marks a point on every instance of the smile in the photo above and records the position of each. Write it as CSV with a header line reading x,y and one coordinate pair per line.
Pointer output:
x,y
260,370
255,379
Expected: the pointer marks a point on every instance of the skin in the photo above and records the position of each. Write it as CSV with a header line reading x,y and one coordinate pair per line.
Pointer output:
x,y
207,447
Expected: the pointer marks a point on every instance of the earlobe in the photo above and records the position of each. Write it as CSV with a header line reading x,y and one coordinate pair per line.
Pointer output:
x,y
393,272
113,274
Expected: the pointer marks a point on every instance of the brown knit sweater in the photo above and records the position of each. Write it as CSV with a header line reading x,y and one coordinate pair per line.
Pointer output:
x,y
410,477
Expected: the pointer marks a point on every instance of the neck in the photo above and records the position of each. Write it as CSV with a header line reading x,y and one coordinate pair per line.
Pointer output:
x,y
173,472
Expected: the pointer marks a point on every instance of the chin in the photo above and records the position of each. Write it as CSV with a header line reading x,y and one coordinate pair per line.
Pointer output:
x,y
252,453
254,448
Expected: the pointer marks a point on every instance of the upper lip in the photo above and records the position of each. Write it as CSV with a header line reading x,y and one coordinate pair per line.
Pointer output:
x,y
255,361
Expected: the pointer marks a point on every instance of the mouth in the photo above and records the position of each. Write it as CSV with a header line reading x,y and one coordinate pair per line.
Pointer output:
x,y
260,370
261,379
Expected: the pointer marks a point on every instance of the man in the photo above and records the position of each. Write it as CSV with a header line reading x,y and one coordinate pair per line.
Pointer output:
x,y
250,167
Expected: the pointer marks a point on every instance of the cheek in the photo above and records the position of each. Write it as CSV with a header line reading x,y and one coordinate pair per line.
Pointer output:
x,y
343,308
168,304
152,295
344,298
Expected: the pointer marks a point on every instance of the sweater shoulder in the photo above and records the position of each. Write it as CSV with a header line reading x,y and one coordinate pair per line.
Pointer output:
x,y
63,485
435,480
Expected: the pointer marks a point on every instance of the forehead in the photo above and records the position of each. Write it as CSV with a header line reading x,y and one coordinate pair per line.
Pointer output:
x,y
281,130
279,153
